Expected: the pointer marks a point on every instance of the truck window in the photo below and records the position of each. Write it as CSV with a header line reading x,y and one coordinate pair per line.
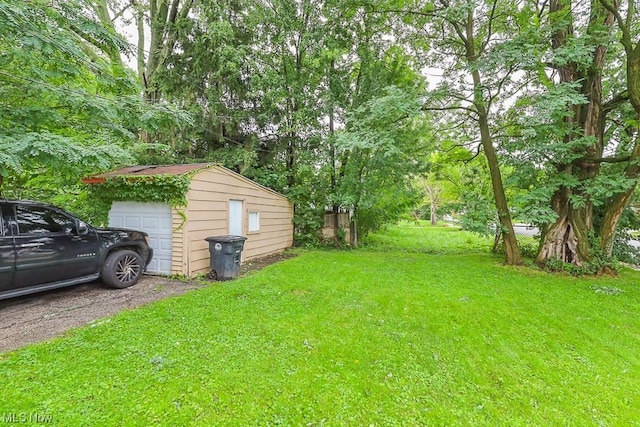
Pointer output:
x,y
41,220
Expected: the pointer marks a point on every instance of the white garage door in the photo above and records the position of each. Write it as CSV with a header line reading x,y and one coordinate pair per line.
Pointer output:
x,y
153,218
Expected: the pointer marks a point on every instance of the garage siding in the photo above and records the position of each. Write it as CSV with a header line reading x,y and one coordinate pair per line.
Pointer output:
x,y
179,256
207,213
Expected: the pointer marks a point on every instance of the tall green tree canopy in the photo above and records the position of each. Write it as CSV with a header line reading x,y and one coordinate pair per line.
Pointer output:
x,y
68,104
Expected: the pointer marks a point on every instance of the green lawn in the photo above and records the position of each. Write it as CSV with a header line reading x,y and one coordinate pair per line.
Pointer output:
x,y
411,330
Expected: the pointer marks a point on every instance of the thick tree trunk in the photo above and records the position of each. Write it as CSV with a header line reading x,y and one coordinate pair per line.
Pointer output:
x,y
567,239
562,242
614,209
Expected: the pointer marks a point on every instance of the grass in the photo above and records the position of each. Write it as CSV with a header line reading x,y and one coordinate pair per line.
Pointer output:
x,y
421,237
412,330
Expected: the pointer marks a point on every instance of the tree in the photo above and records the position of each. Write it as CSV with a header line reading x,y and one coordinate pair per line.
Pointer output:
x,y
466,185
433,190
470,33
158,23
567,237
384,138
573,146
630,41
63,108
68,106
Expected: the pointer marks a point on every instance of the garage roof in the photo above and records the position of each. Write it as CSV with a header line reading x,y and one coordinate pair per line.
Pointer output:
x,y
152,170
148,170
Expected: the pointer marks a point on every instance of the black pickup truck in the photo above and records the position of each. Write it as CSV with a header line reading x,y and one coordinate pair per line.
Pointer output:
x,y
43,247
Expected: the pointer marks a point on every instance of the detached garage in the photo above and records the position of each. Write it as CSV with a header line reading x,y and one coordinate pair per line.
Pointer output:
x,y
217,201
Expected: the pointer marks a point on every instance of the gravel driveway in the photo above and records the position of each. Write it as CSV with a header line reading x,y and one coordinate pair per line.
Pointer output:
x,y
39,317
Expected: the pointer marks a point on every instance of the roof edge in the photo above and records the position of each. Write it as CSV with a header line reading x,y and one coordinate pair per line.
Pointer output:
x,y
148,170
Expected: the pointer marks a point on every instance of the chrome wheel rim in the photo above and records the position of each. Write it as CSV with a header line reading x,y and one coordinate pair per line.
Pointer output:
x,y
127,269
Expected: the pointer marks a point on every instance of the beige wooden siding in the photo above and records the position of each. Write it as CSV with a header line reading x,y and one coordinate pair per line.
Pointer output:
x,y
207,213
179,249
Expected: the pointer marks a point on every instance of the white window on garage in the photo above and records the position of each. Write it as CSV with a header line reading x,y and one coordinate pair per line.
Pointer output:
x,y
254,221
152,218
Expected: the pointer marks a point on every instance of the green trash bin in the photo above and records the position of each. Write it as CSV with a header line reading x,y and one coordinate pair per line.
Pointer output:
x,y
225,254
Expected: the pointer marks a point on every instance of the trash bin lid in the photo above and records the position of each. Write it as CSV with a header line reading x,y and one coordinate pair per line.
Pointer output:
x,y
225,239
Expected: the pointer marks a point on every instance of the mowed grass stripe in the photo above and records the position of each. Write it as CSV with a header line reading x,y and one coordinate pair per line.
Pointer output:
x,y
392,337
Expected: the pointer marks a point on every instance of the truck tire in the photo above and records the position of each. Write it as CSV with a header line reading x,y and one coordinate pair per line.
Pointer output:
x,y
122,269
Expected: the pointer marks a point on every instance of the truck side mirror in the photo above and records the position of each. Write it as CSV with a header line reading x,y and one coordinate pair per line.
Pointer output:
x,y
83,228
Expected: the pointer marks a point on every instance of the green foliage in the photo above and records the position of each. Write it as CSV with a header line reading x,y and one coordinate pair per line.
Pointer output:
x,y
261,81
387,208
479,215
623,250
34,149
534,207
473,190
169,189
384,136
61,105
529,246
68,106
309,197
307,226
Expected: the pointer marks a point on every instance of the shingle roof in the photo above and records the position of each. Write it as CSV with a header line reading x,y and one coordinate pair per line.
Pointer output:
x,y
148,170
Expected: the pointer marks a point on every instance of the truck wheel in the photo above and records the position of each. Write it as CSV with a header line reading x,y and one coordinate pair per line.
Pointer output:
x,y
122,269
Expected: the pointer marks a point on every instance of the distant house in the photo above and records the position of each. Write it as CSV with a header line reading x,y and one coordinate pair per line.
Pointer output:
x,y
219,202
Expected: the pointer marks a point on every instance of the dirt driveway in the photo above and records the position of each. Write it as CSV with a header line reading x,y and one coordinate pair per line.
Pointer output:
x,y
39,317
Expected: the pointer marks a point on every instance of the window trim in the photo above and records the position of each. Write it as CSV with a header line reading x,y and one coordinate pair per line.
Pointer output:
x,y
257,222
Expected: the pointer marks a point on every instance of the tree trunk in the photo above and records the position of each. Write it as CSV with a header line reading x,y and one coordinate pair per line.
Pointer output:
x,y
615,208
102,11
164,16
140,60
612,215
567,239
434,214
354,227
496,242
511,248
291,161
433,191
